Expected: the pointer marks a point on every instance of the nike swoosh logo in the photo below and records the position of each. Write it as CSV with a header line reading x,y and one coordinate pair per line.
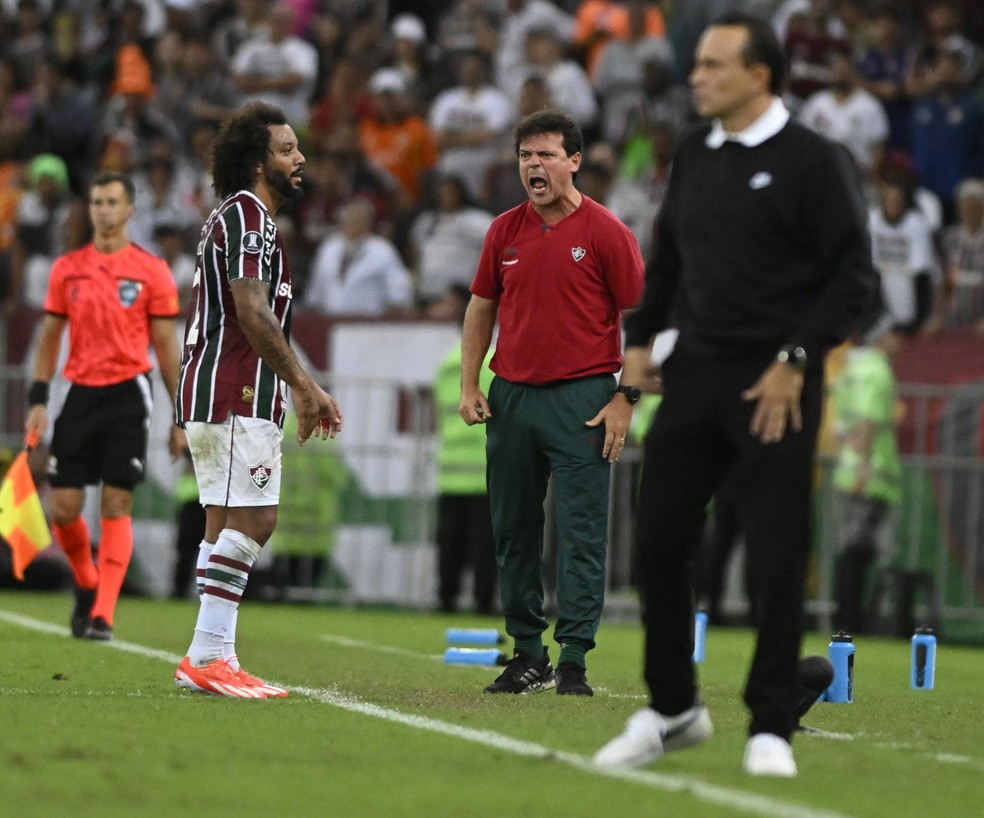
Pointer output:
x,y
514,261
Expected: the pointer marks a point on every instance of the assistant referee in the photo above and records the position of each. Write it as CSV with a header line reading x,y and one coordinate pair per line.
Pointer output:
x,y
116,299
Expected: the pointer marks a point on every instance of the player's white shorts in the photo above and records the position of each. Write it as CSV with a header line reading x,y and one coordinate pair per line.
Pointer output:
x,y
237,462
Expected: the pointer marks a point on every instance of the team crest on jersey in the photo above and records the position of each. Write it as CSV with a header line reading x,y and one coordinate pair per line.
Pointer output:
x,y
252,242
248,394
129,291
260,475
578,253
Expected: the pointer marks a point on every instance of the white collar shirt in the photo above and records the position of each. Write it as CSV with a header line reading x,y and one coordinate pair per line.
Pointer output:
x,y
765,127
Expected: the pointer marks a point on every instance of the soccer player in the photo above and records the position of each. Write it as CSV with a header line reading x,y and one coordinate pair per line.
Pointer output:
x,y
232,395
117,299
555,272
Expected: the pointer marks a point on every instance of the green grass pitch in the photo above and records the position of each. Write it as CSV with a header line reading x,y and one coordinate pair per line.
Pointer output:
x,y
377,725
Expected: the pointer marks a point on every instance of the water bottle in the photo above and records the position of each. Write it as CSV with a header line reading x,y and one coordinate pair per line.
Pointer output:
x,y
923,659
700,635
841,652
474,636
474,656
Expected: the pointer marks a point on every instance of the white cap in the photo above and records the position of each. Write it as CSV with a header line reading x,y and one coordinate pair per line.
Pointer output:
x,y
408,26
387,79
971,189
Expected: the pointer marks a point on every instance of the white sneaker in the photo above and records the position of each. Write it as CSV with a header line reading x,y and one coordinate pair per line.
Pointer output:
x,y
648,735
768,754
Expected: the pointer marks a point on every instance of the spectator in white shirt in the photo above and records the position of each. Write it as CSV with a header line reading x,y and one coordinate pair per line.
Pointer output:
x,y
904,255
278,67
446,240
961,296
355,272
847,113
468,121
520,17
621,73
567,82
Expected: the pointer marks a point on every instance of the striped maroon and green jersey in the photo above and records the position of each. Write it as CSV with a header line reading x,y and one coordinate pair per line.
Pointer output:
x,y
221,374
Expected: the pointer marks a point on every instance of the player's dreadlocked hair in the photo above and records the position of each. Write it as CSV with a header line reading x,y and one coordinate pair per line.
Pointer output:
x,y
241,145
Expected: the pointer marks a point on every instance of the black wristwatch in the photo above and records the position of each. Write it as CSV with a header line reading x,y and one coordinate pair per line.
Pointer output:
x,y
632,393
793,356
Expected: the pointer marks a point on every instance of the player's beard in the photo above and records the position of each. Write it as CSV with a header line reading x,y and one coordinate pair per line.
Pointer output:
x,y
280,182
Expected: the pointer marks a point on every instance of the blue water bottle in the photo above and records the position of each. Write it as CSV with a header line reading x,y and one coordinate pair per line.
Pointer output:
x,y
700,635
474,636
474,656
923,659
841,653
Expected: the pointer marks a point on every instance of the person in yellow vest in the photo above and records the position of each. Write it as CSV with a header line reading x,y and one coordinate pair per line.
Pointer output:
x,y
307,524
464,521
867,473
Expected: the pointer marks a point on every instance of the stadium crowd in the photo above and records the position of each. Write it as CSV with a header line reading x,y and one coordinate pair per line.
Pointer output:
x,y
406,117
405,113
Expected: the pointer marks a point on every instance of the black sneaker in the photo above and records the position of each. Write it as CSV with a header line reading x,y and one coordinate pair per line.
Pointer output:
x,y
84,599
571,680
99,630
524,674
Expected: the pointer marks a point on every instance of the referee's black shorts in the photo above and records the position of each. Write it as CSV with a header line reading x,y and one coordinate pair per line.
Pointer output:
x,y
101,435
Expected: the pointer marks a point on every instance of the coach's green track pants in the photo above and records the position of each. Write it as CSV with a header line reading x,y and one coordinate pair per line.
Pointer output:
x,y
537,433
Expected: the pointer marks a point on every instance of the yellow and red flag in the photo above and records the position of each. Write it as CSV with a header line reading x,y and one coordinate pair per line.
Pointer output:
x,y
22,521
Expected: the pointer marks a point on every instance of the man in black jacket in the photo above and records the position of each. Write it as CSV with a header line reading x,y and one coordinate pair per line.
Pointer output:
x,y
762,262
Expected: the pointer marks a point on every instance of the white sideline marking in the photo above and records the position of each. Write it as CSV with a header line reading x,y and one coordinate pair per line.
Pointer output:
x,y
831,735
952,758
58,630
346,642
606,692
733,799
730,798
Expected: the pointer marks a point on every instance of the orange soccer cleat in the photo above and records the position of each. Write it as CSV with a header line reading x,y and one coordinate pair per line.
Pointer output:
x,y
271,691
219,679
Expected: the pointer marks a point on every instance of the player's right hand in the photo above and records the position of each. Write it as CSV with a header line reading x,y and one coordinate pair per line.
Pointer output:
x,y
474,407
317,412
330,419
